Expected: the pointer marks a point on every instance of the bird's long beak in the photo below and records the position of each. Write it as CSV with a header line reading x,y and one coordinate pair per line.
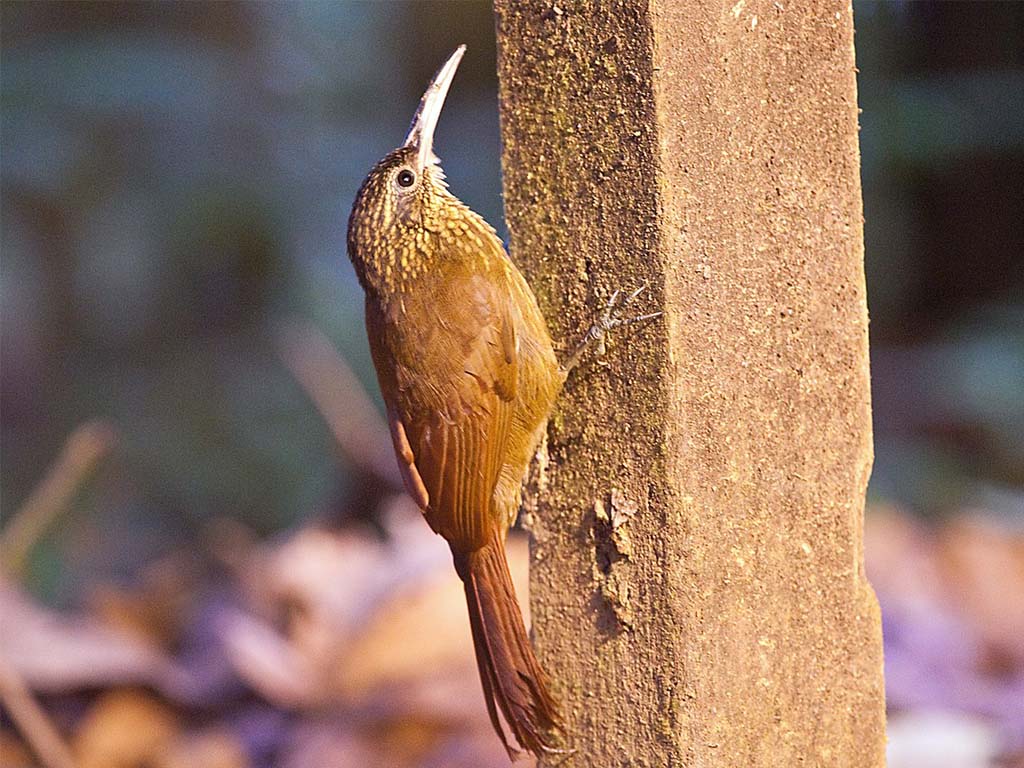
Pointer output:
x,y
421,132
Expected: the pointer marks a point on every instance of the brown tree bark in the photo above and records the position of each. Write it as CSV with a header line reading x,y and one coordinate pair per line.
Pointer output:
x,y
698,592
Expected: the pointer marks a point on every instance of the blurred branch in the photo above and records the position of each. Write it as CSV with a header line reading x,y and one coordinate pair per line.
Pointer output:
x,y
337,393
83,450
31,720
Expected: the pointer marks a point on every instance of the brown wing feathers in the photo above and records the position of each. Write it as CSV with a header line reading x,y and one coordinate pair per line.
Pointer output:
x,y
458,434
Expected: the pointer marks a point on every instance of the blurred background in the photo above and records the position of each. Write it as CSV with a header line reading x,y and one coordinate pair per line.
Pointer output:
x,y
206,559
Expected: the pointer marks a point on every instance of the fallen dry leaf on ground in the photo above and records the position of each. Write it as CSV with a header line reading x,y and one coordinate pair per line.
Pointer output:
x,y
56,652
125,729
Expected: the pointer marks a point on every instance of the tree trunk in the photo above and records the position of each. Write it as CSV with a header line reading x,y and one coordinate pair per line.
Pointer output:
x,y
698,593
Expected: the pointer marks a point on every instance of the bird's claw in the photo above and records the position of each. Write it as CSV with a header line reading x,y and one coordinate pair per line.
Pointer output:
x,y
609,319
564,754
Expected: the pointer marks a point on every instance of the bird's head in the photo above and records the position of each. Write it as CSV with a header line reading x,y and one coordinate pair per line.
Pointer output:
x,y
399,210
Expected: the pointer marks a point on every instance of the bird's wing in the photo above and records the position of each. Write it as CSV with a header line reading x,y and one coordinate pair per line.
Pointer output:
x,y
384,362
451,407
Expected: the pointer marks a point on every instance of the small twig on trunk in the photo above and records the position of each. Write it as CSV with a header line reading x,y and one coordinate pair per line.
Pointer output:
x,y
350,414
31,720
83,450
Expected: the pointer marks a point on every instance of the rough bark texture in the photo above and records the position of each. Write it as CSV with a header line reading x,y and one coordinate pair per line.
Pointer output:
x,y
697,586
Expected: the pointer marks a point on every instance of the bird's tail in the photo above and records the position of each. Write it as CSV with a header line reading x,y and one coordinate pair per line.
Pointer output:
x,y
512,679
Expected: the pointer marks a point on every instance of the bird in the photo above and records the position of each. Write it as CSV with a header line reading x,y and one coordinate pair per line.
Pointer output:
x,y
469,375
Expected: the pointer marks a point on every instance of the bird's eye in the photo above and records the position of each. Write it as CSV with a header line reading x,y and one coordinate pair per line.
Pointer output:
x,y
406,178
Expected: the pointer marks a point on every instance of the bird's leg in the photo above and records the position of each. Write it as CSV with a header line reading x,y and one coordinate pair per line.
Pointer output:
x,y
606,321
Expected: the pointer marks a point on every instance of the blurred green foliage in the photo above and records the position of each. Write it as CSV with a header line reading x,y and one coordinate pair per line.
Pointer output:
x,y
942,146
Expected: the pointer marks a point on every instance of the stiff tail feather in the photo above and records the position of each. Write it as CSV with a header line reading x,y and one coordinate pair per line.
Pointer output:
x,y
512,679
